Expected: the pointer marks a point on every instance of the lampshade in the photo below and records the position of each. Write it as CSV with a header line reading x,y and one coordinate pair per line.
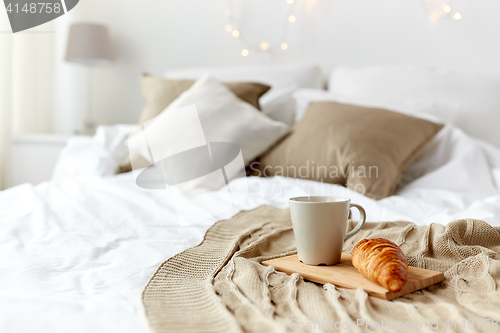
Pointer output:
x,y
88,44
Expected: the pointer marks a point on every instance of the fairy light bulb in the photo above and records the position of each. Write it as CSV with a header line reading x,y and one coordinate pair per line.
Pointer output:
x,y
457,16
264,46
447,9
289,1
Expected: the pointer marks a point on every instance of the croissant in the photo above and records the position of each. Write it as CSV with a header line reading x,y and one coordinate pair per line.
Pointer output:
x,y
381,261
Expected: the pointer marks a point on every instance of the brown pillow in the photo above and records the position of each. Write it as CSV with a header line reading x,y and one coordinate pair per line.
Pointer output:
x,y
365,149
159,92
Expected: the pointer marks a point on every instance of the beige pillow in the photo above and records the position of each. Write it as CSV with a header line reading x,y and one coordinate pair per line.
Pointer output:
x,y
159,92
364,149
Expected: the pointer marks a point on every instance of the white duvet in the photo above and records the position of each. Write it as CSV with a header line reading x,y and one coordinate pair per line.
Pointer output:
x,y
76,253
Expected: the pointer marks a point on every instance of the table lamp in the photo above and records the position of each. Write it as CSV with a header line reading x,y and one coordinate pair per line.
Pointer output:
x,y
89,44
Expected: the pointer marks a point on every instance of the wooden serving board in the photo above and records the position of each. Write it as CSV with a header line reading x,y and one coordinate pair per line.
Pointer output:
x,y
345,275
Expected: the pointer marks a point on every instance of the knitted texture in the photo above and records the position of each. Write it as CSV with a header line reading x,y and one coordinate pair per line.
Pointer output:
x,y
220,285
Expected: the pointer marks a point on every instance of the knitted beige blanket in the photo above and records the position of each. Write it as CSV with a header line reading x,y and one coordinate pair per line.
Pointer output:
x,y
220,285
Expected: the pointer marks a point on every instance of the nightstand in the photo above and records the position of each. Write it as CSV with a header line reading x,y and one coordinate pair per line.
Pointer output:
x,y
31,157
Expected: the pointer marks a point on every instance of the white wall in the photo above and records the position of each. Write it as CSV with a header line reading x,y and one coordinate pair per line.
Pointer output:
x,y
26,82
157,35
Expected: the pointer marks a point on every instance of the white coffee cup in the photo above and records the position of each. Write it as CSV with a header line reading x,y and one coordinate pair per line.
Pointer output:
x,y
319,225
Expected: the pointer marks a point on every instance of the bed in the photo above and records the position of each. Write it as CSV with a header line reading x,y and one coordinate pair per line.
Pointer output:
x,y
77,251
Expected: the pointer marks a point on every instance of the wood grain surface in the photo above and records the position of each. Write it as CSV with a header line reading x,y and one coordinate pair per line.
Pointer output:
x,y
345,275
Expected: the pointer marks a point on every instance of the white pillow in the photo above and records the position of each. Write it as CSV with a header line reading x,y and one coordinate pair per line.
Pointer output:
x,y
223,118
446,112
476,92
277,103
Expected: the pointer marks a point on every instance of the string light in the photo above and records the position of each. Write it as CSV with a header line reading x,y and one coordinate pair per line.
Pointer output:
x,y
234,28
441,10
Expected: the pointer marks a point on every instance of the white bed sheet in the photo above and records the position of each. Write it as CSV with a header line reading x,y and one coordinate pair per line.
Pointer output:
x,y
76,253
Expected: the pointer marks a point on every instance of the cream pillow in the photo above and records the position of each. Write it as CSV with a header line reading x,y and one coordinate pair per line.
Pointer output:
x,y
364,149
222,116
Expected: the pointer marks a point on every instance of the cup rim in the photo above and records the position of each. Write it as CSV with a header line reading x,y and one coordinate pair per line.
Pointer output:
x,y
318,199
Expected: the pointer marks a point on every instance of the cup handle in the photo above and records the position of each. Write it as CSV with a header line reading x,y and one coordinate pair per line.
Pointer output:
x,y
361,221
